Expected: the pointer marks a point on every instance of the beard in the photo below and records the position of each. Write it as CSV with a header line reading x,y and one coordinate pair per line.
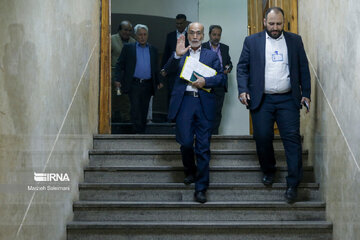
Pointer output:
x,y
195,44
274,34
215,42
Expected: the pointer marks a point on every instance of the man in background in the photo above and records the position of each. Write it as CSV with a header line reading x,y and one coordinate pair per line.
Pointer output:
x,y
170,46
222,50
137,75
120,103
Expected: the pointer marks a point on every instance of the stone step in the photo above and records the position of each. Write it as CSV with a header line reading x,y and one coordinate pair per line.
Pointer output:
x,y
175,192
168,174
199,230
151,128
168,142
173,158
192,211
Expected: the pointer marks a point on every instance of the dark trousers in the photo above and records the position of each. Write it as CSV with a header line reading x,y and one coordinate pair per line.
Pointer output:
x,y
120,108
220,95
140,95
191,122
282,109
120,104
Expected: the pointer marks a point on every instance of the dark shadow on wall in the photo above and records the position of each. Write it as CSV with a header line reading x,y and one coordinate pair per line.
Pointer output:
x,y
159,27
20,70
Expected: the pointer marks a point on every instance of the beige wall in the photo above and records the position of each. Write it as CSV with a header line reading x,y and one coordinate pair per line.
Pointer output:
x,y
332,130
160,8
49,74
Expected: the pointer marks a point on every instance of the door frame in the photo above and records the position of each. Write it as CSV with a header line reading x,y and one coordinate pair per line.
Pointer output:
x,y
105,69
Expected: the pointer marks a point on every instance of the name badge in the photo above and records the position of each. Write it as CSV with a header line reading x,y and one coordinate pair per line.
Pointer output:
x,y
277,57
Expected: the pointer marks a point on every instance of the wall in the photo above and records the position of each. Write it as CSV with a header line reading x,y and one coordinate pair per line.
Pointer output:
x,y
232,17
159,8
49,74
332,133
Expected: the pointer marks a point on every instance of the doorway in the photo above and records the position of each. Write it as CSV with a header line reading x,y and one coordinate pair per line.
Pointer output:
x,y
235,119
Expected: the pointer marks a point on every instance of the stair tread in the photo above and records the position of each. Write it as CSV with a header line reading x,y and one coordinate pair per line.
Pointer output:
x,y
177,151
182,186
179,168
170,136
192,224
238,204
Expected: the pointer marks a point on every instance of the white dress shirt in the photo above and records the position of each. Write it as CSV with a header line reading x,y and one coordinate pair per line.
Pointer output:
x,y
196,55
277,74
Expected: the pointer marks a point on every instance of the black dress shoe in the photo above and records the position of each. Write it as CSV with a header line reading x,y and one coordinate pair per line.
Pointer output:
x,y
200,197
189,179
291,194
268,179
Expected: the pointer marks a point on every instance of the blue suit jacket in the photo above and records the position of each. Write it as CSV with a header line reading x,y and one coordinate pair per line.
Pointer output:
x,y
251,68
207,100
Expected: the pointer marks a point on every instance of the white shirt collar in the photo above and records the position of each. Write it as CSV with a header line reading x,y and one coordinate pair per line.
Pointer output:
x,y
195,52
278,39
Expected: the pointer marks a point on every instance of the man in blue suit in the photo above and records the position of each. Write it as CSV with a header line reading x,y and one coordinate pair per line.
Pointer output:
x,y
274,81
193,109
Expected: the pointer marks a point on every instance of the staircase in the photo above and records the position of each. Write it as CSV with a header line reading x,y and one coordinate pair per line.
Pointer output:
x,y
133,190
151,128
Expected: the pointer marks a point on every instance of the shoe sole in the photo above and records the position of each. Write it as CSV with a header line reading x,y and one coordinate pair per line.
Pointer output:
x,y
188,183
290,200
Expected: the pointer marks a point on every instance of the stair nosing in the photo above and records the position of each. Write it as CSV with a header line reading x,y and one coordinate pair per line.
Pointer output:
x,y
237,204
198,224
176,152
179,168
182,186
170,136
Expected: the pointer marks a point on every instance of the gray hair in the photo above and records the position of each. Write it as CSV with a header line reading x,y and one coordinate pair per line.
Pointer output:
x,y
139,26
193,23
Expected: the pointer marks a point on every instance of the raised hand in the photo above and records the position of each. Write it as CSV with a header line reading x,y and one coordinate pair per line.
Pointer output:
x,y
180,46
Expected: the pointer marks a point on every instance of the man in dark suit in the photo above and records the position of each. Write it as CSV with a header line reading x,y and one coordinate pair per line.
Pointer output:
x,y
193,109
120,103
137,75
222,50
274,81
170,46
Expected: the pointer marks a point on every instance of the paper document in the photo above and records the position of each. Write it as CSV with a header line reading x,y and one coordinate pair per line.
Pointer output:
x,y
192,66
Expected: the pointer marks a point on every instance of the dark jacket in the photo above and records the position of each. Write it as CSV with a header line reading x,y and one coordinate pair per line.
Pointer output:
x,y
251,68
170,46
125,67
